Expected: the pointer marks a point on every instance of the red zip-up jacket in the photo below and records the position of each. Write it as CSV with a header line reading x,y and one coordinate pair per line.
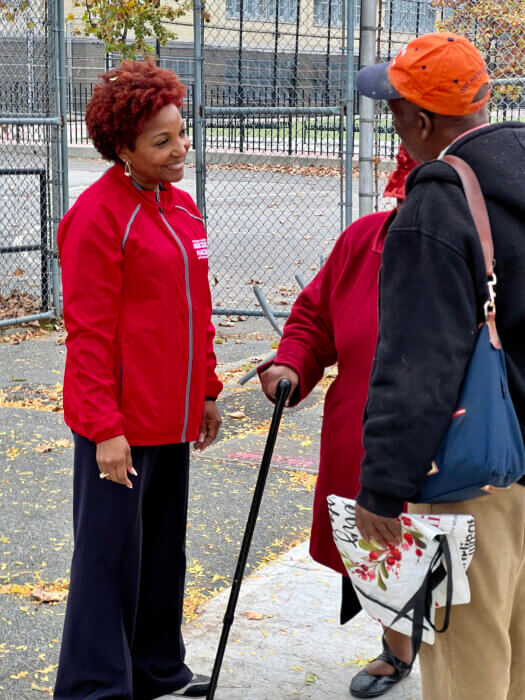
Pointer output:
x,y
137,310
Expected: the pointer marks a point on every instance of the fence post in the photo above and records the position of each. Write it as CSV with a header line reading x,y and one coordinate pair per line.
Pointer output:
x,y
63,168
349,109
197,104
366,110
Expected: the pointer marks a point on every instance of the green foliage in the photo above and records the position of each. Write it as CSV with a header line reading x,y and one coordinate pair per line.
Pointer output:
x,y
10,10
497,28
128,26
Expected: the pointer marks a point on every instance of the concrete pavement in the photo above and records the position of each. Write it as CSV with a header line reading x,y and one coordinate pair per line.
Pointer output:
x,y
286,640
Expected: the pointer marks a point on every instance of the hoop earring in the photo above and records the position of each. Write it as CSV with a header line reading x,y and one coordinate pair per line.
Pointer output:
x,y
127,168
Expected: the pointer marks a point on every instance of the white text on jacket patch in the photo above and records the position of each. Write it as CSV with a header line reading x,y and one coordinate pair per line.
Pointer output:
x,y
201,248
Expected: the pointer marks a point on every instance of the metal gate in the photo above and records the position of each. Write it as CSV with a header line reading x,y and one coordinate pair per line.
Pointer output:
x,y
33,158
273,101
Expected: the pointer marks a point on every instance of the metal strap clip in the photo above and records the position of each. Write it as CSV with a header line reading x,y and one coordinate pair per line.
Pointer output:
x,y
490,305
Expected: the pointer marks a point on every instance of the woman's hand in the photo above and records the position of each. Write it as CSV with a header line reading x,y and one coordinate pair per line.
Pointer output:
x,y
211,422
385,531
271,377
114,459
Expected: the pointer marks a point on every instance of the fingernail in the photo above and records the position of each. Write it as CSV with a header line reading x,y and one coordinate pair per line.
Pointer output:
x,y
130,486
201,437
133,472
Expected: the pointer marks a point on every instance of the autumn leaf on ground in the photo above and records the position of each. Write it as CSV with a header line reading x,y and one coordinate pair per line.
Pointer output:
x,y
310,678
238,415
361,662
48,446
42,596
20,674
253,615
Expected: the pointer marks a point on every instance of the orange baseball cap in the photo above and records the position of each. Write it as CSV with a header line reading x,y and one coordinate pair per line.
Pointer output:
x,y
441,72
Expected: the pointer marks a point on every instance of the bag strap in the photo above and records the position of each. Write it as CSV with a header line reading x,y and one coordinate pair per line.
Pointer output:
x,y
478,211
421,602
477,206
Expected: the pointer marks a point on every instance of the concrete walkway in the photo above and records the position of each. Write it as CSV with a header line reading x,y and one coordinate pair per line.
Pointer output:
x,y
286,640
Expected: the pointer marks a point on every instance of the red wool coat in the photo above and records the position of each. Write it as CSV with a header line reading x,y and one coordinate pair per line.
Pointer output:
x,y
335,320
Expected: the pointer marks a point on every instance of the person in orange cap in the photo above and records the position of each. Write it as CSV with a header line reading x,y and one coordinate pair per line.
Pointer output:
x,y
433,285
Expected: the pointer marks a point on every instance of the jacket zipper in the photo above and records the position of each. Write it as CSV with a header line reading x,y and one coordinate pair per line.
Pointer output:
x,y
190,317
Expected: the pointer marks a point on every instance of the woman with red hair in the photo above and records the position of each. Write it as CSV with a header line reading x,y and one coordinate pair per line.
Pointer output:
x,y
335,319
139,386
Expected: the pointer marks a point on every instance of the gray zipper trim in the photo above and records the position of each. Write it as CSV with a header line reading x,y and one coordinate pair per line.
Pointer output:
x,y
190,324
189,213
131,220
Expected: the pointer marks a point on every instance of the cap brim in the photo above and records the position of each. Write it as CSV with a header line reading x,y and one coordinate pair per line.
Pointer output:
x,y
373,81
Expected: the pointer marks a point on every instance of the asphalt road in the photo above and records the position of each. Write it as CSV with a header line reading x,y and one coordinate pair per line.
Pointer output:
x,y
35,494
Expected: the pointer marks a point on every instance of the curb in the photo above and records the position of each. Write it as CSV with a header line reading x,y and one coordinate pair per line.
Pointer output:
x,y
226,157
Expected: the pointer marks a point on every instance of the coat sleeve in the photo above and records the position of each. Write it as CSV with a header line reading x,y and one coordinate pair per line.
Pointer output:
x,y
307,345
427,330
91,256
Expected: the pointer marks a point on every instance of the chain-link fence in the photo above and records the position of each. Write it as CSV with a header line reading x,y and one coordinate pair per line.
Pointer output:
x,y
278,82
32,167
273,117
274,79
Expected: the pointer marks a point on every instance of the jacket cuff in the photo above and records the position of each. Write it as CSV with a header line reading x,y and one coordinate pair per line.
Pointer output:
x,y
378,503
296,397
107,433
213,388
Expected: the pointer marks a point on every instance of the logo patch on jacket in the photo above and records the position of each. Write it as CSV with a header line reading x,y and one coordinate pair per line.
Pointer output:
x,y
201,248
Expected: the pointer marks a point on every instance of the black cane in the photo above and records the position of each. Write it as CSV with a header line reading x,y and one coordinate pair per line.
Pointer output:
x,y
283,389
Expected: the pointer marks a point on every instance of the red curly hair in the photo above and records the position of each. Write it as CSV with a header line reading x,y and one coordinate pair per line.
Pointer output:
x,y
126,99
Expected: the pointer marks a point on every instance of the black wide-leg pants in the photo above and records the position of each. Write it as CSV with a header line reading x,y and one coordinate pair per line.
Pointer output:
x,y
122,632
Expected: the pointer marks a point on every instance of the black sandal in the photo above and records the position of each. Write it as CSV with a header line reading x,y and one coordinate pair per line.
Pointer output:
x,y
366,685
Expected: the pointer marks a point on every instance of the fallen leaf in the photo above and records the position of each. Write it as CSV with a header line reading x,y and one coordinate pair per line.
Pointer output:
x,y
20,674
253,615
43,448
238,415
43,596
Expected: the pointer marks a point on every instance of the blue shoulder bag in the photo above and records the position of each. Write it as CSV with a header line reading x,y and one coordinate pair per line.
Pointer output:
x,y
483,449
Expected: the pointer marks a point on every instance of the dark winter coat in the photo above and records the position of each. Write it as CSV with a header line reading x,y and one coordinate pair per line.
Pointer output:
x,y
433,285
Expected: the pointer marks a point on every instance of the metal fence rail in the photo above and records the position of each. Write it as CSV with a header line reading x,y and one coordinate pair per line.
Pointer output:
x,y
33,158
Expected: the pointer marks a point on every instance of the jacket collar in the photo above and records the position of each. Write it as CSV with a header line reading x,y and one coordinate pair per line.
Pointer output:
x,y
379,240
145,196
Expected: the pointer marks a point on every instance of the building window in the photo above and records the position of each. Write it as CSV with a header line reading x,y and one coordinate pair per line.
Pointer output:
x,y
412,16
260,82
262,10
332,10
183,67
330,87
